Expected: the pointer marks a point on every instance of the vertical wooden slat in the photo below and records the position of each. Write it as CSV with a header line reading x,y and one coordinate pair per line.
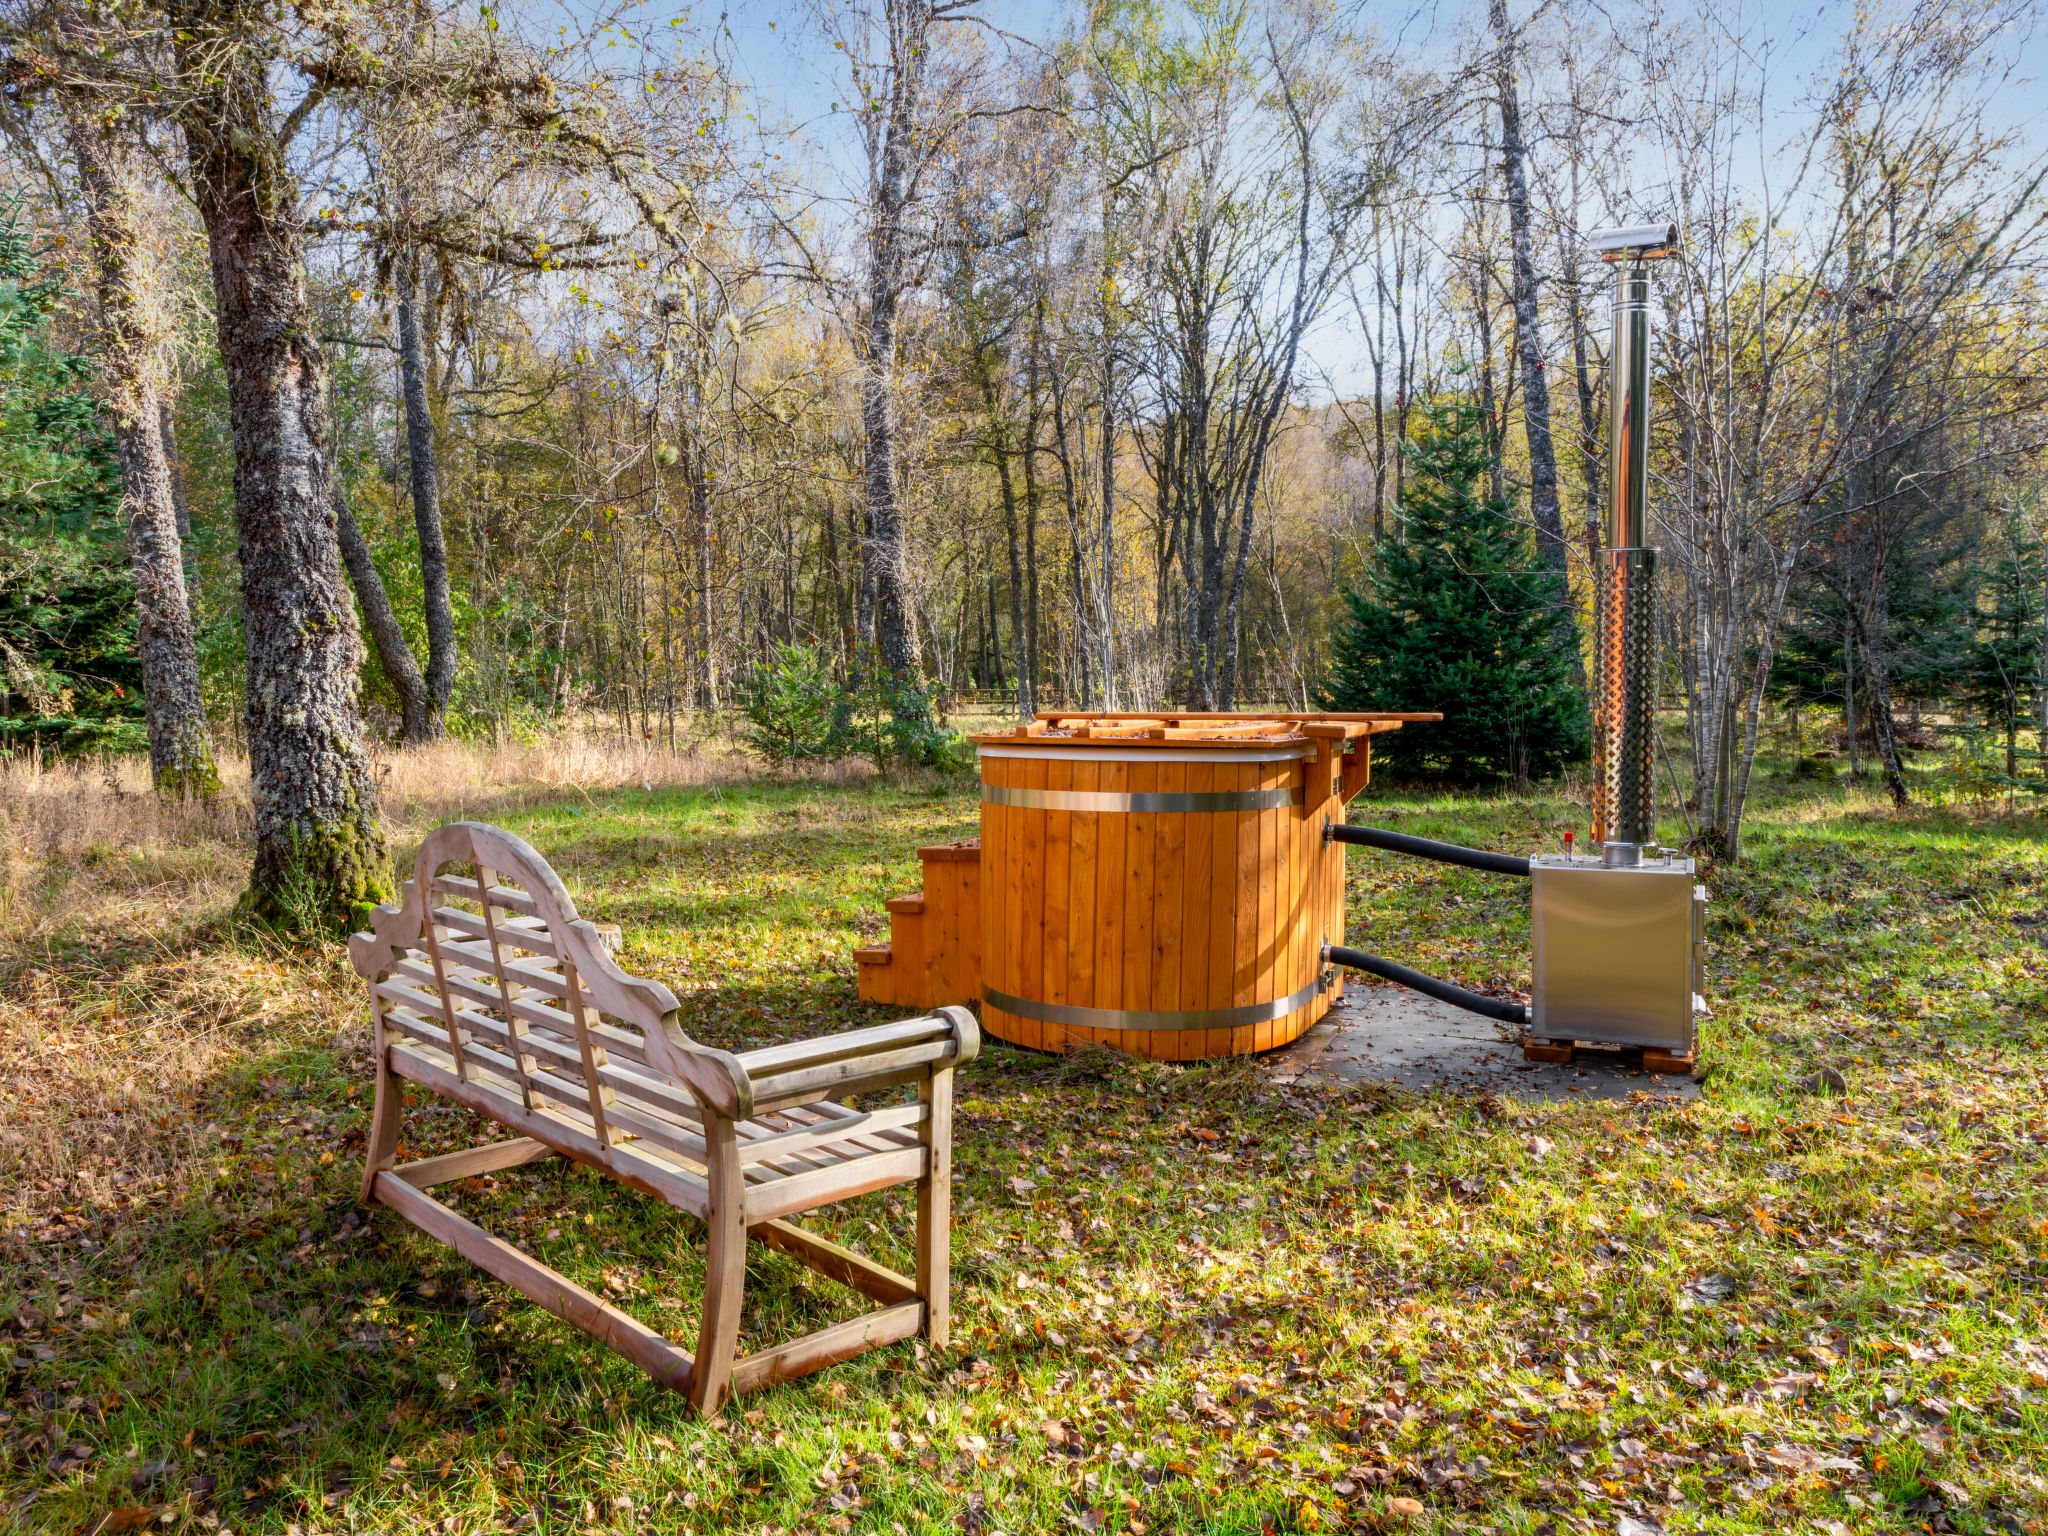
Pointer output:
x,y
1258,896
1059,838
1083,862
433,940
1169,954
1110,827
594,1056
1218,912
1245,980
1031,918
1200,896
999,857
1017,840
1301,900
507,991
1140,873
1269,923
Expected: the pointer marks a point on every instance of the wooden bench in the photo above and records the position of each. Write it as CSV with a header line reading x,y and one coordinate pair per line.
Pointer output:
x,y
487,988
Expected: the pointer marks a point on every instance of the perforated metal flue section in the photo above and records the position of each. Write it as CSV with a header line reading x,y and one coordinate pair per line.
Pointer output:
x,y
1624,703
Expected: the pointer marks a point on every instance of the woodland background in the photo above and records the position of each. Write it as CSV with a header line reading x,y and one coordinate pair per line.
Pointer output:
x,y
1074,363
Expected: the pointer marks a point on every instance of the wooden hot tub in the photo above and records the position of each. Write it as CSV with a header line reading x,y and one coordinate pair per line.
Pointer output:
x,y
1157,883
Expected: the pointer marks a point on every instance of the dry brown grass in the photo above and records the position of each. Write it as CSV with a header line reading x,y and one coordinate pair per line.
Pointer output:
x,y
127,987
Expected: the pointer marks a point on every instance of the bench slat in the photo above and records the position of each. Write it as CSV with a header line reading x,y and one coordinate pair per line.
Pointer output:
x,y
803,1137
766,1151
808,1191
466,984
658,1176
501,896
527,933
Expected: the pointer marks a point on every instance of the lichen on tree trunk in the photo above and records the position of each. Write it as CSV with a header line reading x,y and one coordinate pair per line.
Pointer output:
x,y
174,712
426,492
319,848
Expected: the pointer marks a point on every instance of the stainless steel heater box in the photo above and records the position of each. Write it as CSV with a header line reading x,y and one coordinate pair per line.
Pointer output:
x,y
1619,951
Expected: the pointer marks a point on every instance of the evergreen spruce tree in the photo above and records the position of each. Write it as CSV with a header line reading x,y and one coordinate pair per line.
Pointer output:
x,y
2005,659
69,679
1457,616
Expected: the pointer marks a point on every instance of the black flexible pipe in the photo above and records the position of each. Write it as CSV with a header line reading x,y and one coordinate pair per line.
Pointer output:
x,y
1425,848
1429,986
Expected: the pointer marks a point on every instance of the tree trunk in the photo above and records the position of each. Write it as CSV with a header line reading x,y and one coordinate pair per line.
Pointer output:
x,y
426,489
1760,679
319,848
1018,646
1877,666
394,652
1543,498
1031,646
890,197
167,424
180,742
1105,592
994,658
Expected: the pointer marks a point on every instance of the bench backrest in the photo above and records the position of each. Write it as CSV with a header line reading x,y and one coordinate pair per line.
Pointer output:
x,y
487,960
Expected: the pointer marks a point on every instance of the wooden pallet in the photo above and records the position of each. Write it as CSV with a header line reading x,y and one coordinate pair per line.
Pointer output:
x,y
1564,1053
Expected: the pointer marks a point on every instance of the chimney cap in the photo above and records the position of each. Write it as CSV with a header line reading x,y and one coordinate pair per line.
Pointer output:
x,y
1633,238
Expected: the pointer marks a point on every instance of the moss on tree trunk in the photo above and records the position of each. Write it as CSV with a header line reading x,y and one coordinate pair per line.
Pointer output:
x,y
319,848
180,742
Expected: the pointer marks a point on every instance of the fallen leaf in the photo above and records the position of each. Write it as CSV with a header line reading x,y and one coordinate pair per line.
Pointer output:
x,y
1708,1289
1022,1187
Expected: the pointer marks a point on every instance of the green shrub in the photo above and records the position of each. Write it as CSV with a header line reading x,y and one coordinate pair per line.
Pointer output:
x,y
893,721
789,701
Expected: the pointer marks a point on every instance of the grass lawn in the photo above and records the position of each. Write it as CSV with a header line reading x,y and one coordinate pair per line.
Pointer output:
x,y
1186,1300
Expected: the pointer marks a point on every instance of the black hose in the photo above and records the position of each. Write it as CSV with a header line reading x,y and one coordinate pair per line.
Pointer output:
x,y
1425,848
1429,986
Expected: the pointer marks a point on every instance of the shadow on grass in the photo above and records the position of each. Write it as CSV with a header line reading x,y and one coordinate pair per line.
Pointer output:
x,y
259,1349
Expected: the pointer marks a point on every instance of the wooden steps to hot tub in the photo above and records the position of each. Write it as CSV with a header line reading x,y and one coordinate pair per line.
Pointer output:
x,y
934,948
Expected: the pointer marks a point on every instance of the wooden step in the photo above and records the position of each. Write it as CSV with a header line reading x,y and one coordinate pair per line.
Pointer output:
x,y
909,906
877,956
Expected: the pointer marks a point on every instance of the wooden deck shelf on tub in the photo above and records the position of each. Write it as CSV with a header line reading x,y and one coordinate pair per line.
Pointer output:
x,y
1157,882
487,989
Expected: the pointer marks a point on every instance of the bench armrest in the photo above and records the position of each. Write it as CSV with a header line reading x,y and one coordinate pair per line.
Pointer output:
x,y
805,1071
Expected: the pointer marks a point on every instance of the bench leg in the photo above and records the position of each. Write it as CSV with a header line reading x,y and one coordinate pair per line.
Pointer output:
x,y
381,1144
725,1267
935,1208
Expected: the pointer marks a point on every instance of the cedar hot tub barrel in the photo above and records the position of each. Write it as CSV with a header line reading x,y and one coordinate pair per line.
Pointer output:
x,y
1162,884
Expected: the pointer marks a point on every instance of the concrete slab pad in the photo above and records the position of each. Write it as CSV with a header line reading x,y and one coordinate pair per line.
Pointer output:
x,y
1387,1034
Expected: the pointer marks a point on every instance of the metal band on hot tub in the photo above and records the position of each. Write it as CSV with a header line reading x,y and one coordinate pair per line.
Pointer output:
x,y
1072,1017
1110,800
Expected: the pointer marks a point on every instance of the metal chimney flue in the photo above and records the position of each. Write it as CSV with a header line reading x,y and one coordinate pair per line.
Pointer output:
x,y
1625,640
1619,941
